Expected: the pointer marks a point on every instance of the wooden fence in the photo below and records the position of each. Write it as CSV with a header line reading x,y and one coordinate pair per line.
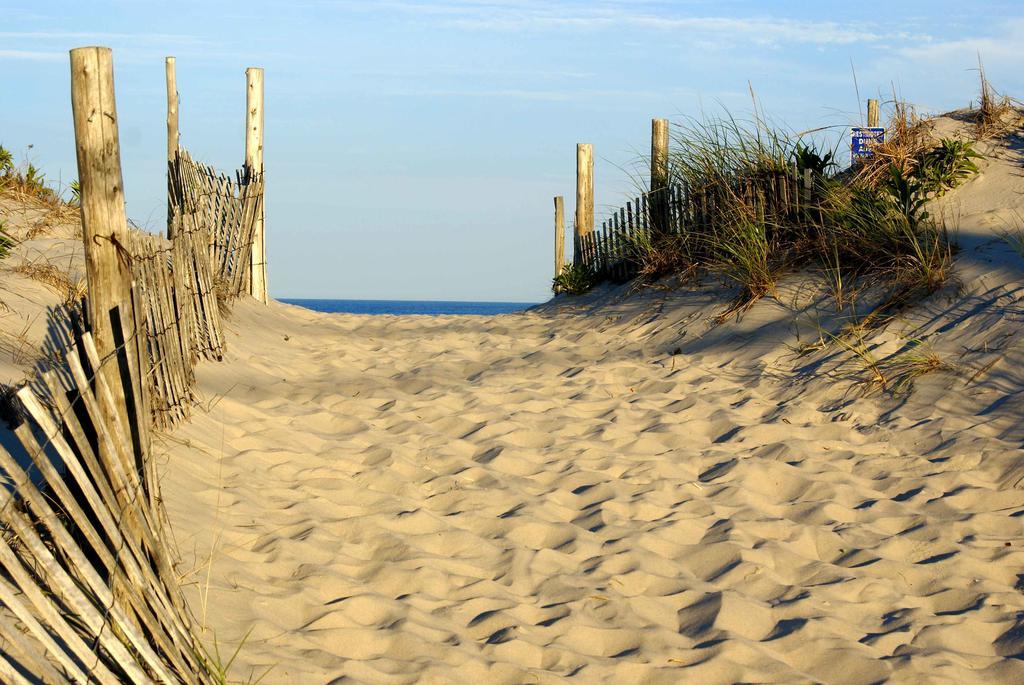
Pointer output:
x,y
674,210
88,592
228,209
614,251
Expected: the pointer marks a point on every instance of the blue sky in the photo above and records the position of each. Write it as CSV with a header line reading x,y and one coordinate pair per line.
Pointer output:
x,y
413,148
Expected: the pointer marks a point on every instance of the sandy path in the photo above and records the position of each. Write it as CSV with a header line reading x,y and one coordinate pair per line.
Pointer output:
x,y
519,500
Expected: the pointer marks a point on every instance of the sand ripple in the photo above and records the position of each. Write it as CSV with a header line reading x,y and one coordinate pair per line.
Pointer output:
x,y
536,500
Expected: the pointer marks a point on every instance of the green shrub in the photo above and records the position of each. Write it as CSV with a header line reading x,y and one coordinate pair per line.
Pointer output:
x,y
725,164
33,180
909,194
714,152
947,165
807,157
744,221
885,232
575,279
6,161
25,178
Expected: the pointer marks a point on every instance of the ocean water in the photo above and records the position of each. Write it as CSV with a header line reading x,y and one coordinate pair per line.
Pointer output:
x,y
427,308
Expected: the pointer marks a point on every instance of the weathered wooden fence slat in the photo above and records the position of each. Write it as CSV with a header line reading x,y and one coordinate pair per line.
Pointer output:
x,y
776,197
88,592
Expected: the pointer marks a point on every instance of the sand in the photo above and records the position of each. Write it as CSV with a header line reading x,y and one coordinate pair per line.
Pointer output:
x,y
44,269
542,498
610,489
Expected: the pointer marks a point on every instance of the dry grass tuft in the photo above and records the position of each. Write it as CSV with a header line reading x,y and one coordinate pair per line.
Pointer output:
x,y
894,374
39,229
996,114
660,255
27,186
1014,237
918,359
907,138
16,345
54,278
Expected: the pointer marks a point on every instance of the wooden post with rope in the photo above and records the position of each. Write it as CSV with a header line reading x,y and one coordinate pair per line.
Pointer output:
x,y
111,310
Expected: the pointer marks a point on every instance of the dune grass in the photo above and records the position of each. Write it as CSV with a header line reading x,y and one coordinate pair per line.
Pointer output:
x,y
25,178
27,185
867,223
862,228
995,113
55,278
220,670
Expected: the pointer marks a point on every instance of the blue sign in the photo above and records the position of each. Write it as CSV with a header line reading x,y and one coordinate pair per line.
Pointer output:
x,y
864,139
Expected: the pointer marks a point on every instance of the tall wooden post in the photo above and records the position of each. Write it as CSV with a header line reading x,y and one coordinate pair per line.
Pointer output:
x,y
172,132
559,234
659,176
873,113
584,197
104,225
254,162
172,107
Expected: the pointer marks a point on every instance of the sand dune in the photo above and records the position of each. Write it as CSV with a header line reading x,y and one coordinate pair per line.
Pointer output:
x,y
609,490
606,489
536,498
45,268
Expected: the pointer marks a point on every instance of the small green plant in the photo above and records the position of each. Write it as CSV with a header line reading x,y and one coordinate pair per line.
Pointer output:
x,y
575,279
886,233
214,664
909,194
895,374
25,178
838,281
33,179
947,165
807,157
76,192
6,161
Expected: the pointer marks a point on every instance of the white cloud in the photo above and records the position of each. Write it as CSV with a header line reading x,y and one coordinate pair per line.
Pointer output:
x,y
32,55
433,71
528,15
762,31
89,35
562,95
1008,46
131,48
